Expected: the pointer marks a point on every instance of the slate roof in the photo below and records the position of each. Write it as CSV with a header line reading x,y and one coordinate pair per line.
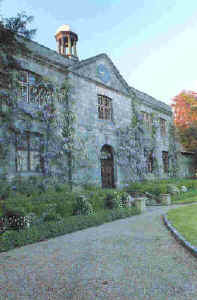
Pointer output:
x,y
149,100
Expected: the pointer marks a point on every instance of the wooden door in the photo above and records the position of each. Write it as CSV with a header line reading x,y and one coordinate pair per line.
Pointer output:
x,y
107,173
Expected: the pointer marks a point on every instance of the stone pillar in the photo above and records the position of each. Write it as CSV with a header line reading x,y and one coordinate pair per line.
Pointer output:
x,y
69,45
140,204
165,199
75,48
58,46
62,46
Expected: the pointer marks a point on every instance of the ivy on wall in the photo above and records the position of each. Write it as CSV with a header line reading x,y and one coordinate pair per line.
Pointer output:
x,y
173,152
135,144
64,151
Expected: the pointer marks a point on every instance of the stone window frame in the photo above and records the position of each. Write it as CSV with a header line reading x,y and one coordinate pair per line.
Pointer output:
x,y
104,107
165,159
163,127
28,90
27,151
147,119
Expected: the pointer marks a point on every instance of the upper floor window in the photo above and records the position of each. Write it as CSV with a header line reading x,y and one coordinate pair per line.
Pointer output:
x,y
165,161
30,90
104,107
29,152
163,127
147,118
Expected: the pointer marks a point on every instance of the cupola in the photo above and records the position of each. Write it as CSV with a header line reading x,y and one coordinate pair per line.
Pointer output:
x,y
66,42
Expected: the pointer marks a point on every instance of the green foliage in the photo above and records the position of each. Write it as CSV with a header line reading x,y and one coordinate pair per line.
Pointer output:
x,y
10,28
5,189
36,233
82,206
187,197
157,187
14,219
28,186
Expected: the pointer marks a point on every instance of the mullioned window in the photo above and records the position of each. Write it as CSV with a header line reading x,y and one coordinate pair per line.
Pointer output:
x,y
104,107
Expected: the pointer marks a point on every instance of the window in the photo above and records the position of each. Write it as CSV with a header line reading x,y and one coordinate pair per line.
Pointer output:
x,y
29,152
165,161
147,118
29,89
163,127
4,104
104,107
150,162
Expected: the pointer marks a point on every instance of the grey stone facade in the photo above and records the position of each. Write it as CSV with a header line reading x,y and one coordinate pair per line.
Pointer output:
x,y
87,85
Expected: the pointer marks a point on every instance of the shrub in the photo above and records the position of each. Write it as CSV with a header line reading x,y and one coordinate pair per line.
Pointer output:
x,y
52,229
97,198
82,206
31,218
5,189
19,202
52,217
2,225
123,198
110,200
14,220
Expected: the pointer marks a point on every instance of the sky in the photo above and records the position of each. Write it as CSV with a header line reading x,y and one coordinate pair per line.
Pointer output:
x,y
152,43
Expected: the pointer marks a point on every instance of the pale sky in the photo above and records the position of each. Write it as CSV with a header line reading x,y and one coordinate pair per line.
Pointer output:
x,y
152,43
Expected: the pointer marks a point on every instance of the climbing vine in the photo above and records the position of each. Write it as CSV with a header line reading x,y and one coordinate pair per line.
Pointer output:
x,y
135,144
62,150
173,152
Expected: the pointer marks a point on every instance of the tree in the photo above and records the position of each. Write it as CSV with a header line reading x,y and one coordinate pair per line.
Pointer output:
x,y
13,32
185,109
185,118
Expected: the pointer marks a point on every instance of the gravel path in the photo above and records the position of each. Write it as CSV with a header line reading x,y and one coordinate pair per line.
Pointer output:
x,y
134,258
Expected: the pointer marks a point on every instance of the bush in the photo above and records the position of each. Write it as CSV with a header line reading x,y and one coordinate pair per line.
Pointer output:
x,y
14,220
35,233
19,202
2,225
5,189
111,199
157,187
97,198
82,206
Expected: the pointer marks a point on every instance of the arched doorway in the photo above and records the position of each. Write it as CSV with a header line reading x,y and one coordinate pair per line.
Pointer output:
x,y
107,167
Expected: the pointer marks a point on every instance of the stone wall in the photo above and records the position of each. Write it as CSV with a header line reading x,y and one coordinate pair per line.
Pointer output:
x,y
85,89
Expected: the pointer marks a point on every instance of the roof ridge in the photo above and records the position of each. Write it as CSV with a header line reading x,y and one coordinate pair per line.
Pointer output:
x,y
151,98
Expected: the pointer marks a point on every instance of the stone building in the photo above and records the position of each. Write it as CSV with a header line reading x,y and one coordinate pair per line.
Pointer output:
x,y
102,103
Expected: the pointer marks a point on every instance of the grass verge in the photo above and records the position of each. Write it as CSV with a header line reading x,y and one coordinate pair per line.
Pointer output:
x,y
185,221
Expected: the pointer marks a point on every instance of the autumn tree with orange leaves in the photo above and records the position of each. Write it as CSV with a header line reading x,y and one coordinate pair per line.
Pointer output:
x,y
185,118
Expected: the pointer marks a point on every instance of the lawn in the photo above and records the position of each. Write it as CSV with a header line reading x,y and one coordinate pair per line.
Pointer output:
x,y
184,219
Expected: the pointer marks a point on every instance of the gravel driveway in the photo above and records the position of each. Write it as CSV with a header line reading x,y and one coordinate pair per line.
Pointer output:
x,y
133,258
